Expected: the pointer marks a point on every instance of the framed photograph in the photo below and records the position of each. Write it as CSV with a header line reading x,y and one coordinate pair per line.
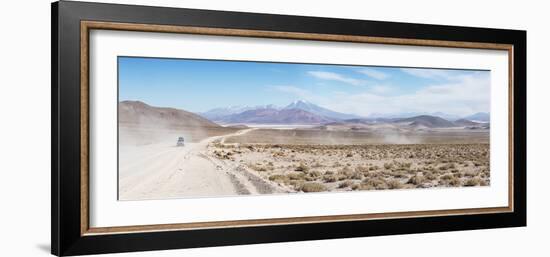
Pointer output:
x,y
178,128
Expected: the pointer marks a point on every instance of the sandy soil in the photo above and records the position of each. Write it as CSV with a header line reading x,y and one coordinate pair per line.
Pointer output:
x,y
316,168
239,161
162,170
313,160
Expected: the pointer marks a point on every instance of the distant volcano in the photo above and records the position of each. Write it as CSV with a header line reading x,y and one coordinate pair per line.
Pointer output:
x,y
297,112
315,109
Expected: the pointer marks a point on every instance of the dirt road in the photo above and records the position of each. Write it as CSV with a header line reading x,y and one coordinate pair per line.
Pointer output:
x,y
162,170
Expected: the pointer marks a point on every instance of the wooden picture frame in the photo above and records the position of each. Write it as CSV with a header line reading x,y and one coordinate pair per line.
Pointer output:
x,y
71,231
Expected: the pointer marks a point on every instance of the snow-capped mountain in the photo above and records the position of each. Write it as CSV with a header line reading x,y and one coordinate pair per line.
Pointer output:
x,y
276,116
220,113
315,109
297,112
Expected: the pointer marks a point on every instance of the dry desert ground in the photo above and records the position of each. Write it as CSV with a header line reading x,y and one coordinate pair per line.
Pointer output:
x,y
241,161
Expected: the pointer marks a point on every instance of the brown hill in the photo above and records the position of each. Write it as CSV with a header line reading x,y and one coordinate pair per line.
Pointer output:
x,y
465,122
142,114
427,121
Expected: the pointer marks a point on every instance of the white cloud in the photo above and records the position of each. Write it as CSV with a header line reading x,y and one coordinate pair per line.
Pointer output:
x,y
325,75
374,74
467,95
381,89
462,96
431,73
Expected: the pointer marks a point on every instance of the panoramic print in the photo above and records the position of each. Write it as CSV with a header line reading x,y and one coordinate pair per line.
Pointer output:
x,y
211,128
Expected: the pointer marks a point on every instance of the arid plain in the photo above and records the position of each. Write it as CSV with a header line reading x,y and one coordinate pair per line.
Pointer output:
x,y
243,159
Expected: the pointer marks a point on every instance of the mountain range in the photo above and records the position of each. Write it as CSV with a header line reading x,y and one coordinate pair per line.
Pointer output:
x,y
224,114
304,112
298,112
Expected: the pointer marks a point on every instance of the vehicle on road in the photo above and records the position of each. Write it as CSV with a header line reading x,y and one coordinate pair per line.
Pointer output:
x,y
181,141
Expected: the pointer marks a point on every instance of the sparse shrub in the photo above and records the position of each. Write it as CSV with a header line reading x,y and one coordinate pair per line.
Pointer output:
x,y
330,178
302,167
314,173
297,184
362,187
310,178
446,177
278,177
356,175
362,169
455,182
430,176
399,175
375,183
341,177
388,165
345,184
296,176
313,187
394,184
470,173
416,180
472,182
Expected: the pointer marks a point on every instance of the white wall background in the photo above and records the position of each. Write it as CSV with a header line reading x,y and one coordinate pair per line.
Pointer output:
x,y
25,127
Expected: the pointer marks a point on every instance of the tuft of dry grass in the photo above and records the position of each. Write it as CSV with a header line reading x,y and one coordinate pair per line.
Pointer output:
x,y
455,182
296,176
278,178
416,180
363,167
472,182
446,177
375,183
394,184
302,167
345,184
330,178
313,187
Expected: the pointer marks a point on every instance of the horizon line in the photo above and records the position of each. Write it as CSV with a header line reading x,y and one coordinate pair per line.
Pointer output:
x,y
380,115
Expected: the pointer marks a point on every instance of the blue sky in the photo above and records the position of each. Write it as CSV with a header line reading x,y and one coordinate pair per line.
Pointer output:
x,y
200,85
